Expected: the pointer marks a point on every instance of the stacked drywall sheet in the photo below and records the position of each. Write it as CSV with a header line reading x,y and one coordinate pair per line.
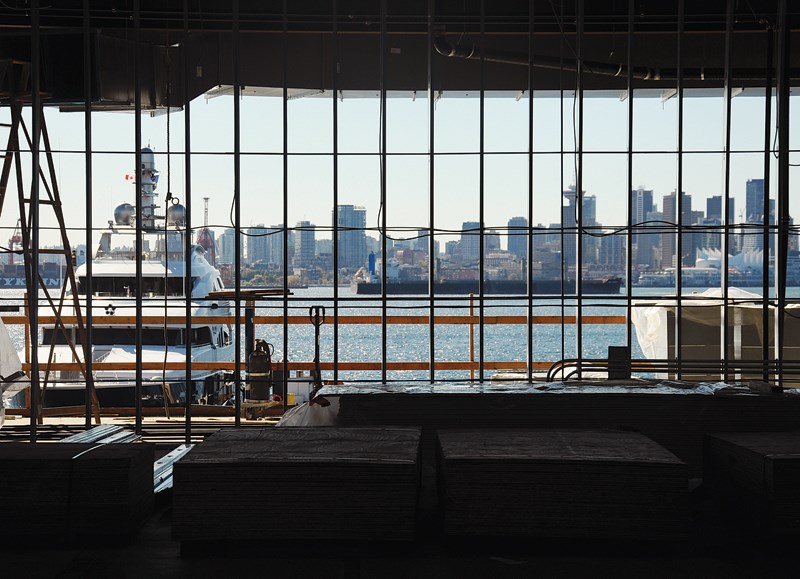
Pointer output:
x,y
561,484
754,478
299,483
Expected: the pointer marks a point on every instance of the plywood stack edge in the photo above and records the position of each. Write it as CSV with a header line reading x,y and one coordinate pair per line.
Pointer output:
x,y
561,484
753,479
67,493
277,484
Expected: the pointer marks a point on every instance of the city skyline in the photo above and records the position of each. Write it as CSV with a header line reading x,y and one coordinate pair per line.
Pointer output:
x,y
456,176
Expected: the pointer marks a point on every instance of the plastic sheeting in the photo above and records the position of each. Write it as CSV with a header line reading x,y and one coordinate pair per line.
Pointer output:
x,y
10,364
703,314
9,359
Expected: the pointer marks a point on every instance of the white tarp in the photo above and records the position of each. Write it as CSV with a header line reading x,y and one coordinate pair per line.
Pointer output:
x,y
10,364
9,359
651,322
704,310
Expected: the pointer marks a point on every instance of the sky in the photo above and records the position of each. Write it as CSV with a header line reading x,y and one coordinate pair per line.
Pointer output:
x,y
456,165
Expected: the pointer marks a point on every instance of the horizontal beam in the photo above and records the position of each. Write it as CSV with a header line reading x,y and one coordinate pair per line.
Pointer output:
x,y
304,320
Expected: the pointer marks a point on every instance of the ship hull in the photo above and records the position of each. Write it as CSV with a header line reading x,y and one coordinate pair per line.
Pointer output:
x,y
508,287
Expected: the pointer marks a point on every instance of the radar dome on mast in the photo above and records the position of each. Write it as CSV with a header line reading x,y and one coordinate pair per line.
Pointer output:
x,y
176,215
123,214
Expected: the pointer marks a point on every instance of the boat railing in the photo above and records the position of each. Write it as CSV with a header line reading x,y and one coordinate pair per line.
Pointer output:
x,y
687,367
469,321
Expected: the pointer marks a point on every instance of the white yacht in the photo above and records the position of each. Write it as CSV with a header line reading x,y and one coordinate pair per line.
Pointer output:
x,y
115,288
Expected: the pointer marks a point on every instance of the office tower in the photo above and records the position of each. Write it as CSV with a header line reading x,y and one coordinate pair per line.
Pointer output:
x,y
491,240
227,243
611,251
714,208
669,240
754,201
570,224
641,205
274,243
351,237
643,243
305,244
518,236
257,244
470,243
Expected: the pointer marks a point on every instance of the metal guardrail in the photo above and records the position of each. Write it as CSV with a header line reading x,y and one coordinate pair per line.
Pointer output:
x,y
162,468
103,434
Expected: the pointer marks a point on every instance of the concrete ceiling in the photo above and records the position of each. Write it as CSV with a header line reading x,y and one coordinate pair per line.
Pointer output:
x,y
300,50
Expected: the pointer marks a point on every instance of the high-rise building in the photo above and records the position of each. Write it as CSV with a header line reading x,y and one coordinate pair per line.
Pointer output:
x,y
305,244
227,246
518,237
491,240
754,201
470,243
257,244
611,251
643,243
669,240
351,237
422,240
274,243
714,208
569,222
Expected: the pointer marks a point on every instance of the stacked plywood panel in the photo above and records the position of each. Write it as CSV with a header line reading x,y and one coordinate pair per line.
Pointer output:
x,y
678,422
112,489
564,484
75,491
754,478
299,483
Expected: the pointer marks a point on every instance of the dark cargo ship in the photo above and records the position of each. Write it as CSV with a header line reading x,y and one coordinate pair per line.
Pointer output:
x,y
12,275
609,285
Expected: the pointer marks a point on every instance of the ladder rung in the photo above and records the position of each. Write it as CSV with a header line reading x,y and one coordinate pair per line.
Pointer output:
x,y
42,202
9,125
52,251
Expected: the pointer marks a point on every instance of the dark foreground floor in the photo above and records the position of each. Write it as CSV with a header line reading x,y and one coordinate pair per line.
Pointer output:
x,y
152,553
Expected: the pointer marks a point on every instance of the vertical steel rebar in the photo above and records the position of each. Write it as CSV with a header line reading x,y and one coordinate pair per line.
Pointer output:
x,y
481,196
766,236
89,283
139,212
285,158
187,198
529,239
335,212
781,250
384,218
432,257
579,194
726,332
237,218
679,201
629,185
33,282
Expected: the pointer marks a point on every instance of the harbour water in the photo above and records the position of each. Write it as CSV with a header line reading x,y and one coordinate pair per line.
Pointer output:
x,y
410,342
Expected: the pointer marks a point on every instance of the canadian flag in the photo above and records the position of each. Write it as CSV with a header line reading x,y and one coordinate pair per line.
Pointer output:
x,y
130,177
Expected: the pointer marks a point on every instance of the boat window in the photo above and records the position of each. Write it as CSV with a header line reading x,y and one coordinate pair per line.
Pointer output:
x,y
126,286
201,336
121,337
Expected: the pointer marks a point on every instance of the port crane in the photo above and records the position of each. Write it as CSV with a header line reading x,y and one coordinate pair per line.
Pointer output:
x,y
13,242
